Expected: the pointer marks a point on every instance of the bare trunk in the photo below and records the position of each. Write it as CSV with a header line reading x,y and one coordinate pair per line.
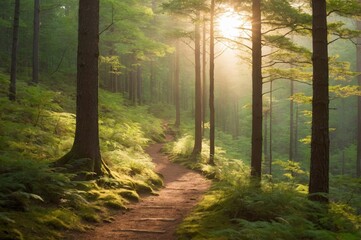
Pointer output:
x,y
270,127
35,79
86,150
198,90
204,75
176,86
265,140
296,134
15,43
139,84
291,144
256,158
211,87
358,66
320,143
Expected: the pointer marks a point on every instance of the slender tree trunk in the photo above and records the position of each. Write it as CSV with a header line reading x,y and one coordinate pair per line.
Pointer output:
x,y
86,141
204,75
134,86
35,79
139,84
265,140
170,86
197,149
211,87
14,51
320,143
291,144
256,158
176,86
296,134
270,127
152,82
130,85
358,66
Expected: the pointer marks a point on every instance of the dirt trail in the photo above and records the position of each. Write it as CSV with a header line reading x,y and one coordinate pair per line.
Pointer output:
x,y
156,217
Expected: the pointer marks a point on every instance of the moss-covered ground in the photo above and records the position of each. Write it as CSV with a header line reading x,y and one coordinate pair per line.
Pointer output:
x,y
38,201
278,208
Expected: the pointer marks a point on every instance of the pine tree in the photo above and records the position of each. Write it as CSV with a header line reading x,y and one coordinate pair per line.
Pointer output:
x,y
12,86
86,147
320,142
256,158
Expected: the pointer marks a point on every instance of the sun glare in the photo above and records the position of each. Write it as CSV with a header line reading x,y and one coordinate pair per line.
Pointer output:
x,y
232,25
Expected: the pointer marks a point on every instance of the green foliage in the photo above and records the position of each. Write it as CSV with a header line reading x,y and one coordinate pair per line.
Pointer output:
x,y
293,171
235,208
38,200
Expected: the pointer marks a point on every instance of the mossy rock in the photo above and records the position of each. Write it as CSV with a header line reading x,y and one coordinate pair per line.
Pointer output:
x,y
142,187
129,195
114,204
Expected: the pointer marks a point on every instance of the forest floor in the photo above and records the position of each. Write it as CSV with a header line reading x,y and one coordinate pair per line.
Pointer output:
x,y
155,217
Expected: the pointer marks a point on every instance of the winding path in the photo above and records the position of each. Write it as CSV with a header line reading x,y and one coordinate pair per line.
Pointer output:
x,y
156,217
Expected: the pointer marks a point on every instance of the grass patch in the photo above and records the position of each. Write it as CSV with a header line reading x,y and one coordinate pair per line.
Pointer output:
x,y
235,208
39,202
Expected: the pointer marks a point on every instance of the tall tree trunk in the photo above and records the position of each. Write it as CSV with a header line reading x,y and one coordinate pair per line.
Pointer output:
x,y
256,158
130,85
86,142
204,75
197,149
35,78
270,155
358,67
320,142
14,51
134,86
152,82
139,84
265,140
296,134
211,87
291,143
176,86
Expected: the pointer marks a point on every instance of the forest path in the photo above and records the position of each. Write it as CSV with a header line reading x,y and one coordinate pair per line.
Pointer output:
x,y
156,217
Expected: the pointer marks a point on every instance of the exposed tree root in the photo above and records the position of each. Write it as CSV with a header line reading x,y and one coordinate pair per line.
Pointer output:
x,y
83,168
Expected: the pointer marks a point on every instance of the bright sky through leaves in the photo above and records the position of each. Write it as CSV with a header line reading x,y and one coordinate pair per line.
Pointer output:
x,y
232,25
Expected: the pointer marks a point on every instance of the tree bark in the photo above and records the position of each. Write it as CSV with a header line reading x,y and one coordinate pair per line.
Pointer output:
x,y
204,75
139,85
358,67
291,143
152,82
256,157
296,134
86,142
319,172
15,43
211,87
176,86
197,149
265,140
35,79
270,155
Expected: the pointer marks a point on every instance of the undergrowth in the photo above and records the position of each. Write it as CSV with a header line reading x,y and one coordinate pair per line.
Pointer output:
x,y
235,208
39,202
